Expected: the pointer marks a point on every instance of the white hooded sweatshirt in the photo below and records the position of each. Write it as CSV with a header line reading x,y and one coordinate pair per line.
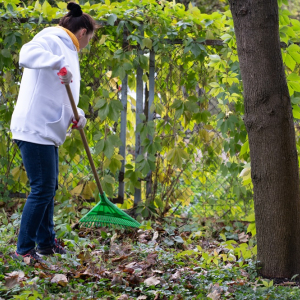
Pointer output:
x,y
43,111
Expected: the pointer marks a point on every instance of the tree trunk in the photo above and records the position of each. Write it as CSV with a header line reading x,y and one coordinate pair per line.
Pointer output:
x,y
269,123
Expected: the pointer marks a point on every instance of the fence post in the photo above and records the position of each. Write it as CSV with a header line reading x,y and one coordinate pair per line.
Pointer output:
x,y
150,115
122,150
139,110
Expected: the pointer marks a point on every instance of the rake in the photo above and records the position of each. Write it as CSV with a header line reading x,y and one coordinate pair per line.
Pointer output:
x,y
105,213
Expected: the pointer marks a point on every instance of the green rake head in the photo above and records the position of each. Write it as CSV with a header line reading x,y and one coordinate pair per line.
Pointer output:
x,y
105,213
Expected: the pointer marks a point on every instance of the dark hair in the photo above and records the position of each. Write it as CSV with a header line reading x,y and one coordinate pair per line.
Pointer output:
x,y
75,19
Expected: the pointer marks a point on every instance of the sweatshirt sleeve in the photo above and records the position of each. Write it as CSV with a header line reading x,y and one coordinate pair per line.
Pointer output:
x,y
37,54
80,111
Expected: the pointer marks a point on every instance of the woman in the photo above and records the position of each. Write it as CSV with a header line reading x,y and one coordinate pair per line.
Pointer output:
x,y
40,121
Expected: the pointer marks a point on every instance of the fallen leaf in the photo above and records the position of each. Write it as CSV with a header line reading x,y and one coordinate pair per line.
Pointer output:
x,y
43,275
243,238
117,279
157,271
132,265
120,258
60,279
134,280
214,295
115,250
155,236
216,291
97,253
144,238
13,278
128,270
123,297
19,273
178,297
151,258
244,273
175,276
152,281
188,285
112,240
141,297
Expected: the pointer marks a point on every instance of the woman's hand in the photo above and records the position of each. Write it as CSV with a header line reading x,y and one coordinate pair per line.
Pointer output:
x,y
65,75
80,123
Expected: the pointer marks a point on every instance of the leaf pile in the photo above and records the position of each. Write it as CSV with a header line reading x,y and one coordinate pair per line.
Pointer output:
x,y
166,262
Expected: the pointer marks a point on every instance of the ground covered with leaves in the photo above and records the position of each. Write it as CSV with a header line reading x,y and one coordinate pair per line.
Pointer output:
x,y
173,259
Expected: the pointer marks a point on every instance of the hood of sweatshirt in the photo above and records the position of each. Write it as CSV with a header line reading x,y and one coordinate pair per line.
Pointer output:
x,y
57,32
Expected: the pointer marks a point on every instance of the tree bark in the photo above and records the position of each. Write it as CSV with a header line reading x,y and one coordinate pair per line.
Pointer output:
x,y
269,123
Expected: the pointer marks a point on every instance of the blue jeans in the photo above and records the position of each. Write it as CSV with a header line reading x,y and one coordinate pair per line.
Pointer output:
x,y
37,226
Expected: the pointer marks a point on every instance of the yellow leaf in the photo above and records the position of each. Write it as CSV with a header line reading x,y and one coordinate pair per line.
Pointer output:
x,y
199,248
118,157
76,159
23,176
45,8
202,179
108,74
102,41
89,189
62,5
106,163
77,190
204,135
161,177
15,173
37,6
63,168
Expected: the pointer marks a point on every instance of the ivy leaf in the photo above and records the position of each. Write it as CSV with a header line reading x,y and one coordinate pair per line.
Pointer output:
x,y
196,50
178,239
97,136
10,40
100,103
5,53
177,104
84,102
290,62
99,147
103,111
108,188
140,158
191,106
128,26
296,111
108,149
115,107
143,61
245,148
295,85
114,165
145,167
109,179
112,19
176,156
120,27
147,43
115,140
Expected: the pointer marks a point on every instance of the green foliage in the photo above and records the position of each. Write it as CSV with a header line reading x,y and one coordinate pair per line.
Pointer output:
x,y
172,260
198,142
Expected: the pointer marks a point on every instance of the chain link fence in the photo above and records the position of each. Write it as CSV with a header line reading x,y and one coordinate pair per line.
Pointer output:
x,y
196,182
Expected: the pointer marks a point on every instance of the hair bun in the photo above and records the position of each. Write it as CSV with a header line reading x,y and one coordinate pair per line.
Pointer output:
x,y
75,9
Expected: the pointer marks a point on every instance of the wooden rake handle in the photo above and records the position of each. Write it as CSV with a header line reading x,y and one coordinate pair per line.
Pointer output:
x,y
83,137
